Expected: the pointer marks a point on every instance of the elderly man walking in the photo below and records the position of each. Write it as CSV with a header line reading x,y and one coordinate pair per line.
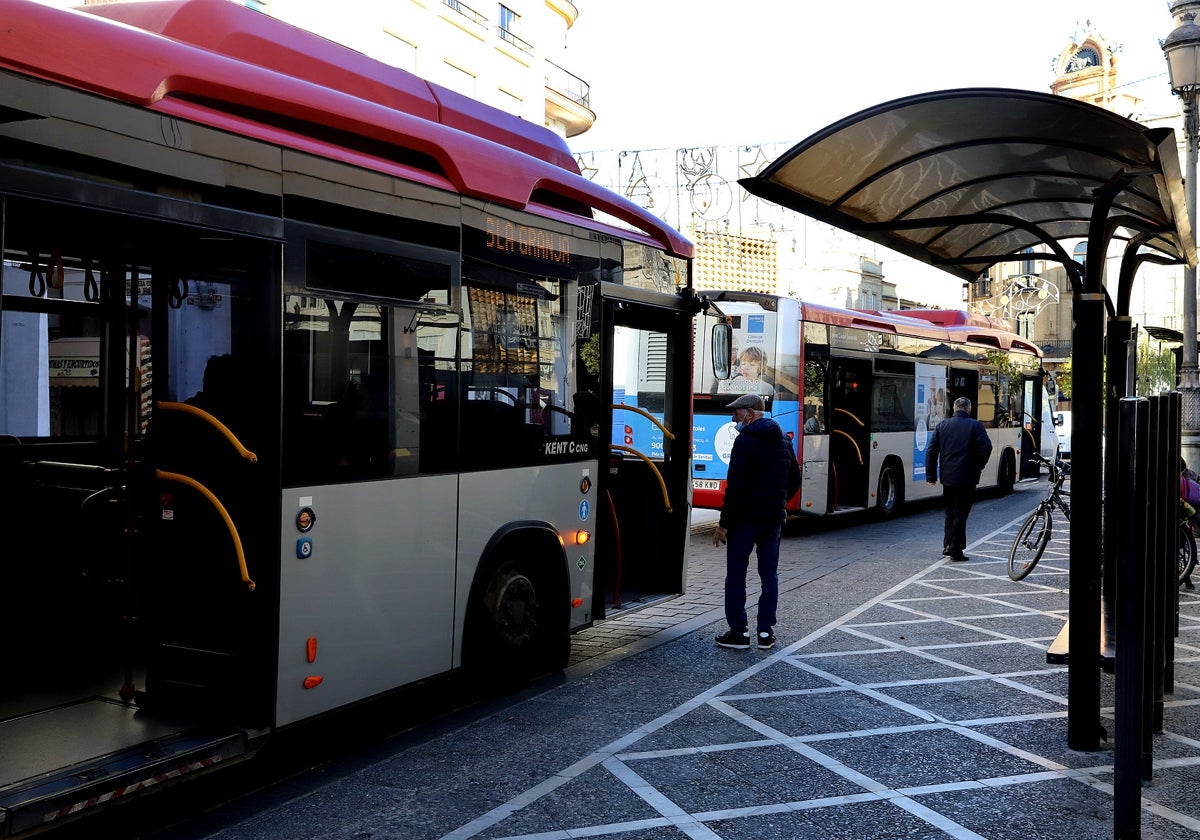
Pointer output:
x,y
763,475
960,448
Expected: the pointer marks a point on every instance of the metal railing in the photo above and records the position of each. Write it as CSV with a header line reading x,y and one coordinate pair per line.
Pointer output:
x,y
1056,349
514,39
467,12
568,84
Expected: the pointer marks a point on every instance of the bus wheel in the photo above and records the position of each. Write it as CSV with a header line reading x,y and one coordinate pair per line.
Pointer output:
x,y
512,636
1008,472
512,606
891,490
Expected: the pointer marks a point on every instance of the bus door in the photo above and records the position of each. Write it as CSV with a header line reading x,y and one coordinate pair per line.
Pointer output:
x,y
1034,419
815,491
850,433
124,498
645,490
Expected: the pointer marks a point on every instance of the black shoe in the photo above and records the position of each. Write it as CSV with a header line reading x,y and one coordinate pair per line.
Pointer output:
x,y
735,639
766,639
959,558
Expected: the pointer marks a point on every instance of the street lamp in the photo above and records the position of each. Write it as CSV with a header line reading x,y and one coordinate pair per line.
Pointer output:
x,y
1182,50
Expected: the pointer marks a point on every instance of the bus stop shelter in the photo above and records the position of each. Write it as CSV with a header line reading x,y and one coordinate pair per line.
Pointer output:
x,y
965,179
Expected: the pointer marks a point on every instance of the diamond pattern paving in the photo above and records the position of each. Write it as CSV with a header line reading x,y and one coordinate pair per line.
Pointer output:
x,y
929,712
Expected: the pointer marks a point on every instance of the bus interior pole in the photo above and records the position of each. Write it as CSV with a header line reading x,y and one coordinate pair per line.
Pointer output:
x,y
1131,533
1083,671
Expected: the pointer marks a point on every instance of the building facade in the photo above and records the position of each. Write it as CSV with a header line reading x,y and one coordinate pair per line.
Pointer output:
x,y
508,55
745,243
1034,294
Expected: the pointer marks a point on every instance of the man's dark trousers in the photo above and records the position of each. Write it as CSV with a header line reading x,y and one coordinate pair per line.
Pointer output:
x,y
958,501
742,540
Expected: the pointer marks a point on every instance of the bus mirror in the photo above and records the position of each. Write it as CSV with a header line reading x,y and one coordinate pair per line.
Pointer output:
x,y
722,349
1058,419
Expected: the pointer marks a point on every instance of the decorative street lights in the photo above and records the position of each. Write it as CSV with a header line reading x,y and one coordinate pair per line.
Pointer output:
x,y
1182,49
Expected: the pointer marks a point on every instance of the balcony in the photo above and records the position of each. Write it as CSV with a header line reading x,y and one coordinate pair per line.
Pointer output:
x,y
467,12
568,100
510,37
1056,350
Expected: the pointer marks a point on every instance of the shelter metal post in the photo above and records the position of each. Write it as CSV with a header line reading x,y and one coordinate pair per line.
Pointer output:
x,y
1083,669
1131,553
1120,334
1171,592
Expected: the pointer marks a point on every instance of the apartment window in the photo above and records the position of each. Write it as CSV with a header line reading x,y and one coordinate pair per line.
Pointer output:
x,y
1080,254
509,29
1028,264
509,21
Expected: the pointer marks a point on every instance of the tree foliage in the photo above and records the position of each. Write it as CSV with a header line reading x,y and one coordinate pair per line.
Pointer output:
x,y
1155,369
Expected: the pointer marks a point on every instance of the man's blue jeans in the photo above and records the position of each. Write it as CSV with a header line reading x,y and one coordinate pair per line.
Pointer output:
x,y
742,539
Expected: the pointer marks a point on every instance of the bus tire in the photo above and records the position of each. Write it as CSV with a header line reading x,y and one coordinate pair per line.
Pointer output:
x,y
513,632
890,493
1008,472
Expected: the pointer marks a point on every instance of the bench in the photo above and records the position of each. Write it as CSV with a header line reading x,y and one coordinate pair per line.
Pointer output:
x,y
1059,652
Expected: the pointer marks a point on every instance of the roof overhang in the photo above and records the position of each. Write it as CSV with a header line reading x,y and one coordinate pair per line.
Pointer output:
x,y
963,179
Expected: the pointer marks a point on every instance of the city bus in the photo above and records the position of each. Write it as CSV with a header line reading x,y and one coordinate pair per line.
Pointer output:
x,y
307,373
859,393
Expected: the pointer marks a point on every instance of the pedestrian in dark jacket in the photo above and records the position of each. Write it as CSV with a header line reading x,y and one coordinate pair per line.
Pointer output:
x,y
762,471
960,448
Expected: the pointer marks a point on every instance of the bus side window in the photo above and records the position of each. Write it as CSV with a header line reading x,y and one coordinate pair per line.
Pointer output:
x,y
894,406
987,405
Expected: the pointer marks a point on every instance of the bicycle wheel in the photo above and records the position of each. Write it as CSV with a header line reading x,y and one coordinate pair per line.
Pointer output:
x,y
1029,544
1187,552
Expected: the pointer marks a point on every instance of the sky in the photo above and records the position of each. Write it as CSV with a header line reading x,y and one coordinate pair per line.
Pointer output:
x,y
679,73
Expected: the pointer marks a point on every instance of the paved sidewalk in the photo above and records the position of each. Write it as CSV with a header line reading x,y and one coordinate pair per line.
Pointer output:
x,y
925,710
928,712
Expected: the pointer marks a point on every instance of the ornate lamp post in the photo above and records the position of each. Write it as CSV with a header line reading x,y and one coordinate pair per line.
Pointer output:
x,y
1182,50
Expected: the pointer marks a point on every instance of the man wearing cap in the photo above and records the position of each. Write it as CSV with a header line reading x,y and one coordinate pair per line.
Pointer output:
x,y
762,471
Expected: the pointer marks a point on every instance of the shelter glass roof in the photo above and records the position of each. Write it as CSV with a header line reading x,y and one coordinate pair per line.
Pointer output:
x,y
962,179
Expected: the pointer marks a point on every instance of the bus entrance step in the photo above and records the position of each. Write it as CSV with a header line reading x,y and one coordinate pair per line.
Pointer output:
x,y
102,750
1059,652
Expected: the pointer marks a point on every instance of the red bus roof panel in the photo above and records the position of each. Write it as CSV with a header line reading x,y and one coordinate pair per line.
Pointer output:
x,y
226,66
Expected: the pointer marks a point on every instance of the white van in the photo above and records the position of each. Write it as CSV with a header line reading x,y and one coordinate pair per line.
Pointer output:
x,y
1062,426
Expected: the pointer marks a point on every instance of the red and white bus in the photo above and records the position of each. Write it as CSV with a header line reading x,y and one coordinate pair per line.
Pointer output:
x,y
859,393
307,372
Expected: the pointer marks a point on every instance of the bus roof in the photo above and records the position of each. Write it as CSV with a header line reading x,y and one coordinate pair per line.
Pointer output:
x,y
946,325
220,64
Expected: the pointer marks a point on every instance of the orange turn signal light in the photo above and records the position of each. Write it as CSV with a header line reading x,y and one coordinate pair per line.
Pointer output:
x,y
576,602
582,537
313,682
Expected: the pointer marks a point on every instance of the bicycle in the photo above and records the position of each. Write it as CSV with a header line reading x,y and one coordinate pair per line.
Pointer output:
x,y
1186,559
1036,530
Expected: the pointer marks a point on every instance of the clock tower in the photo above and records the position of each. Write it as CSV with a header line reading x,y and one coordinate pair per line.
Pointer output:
x,y
1086,70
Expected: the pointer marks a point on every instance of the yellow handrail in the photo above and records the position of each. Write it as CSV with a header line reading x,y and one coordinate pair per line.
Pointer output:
x,y
857,448
208,494
848,414
662,484
647,415
214,422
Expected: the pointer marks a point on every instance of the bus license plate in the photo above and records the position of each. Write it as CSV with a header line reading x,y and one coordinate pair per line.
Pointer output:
x,y
705,484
